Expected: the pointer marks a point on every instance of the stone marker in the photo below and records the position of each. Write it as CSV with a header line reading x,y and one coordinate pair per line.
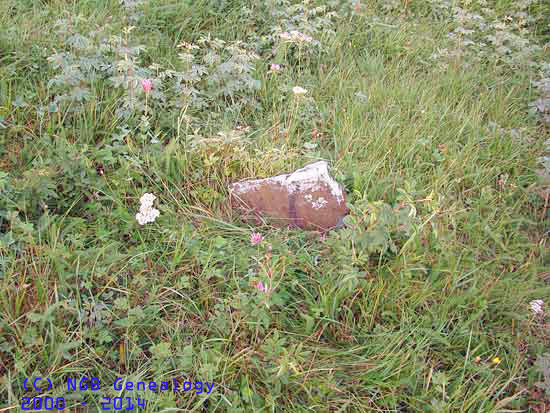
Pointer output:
x,y
307,198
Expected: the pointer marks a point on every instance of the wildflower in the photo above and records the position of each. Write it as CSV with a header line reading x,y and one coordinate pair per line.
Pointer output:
x,y
146,211
147,85
496,360
536,306
275,68
299,90
256,238
261,287
147,215
147,199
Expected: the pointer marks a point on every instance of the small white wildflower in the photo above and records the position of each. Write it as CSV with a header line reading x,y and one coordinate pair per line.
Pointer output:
x,y
146,211
536,306
141,218
146,215
147,199
299,90
274,68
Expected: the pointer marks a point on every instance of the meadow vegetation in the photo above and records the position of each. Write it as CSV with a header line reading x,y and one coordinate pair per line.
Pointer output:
x,y
434,116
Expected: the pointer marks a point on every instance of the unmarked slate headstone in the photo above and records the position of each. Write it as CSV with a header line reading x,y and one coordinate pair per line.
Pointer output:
x,y
308,198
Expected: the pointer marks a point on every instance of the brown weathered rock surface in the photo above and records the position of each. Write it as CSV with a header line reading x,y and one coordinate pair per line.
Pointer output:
x,y
307,198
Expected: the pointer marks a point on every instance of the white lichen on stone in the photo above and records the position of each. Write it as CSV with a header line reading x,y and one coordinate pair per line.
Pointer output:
x,y
320,203
246,186
306,179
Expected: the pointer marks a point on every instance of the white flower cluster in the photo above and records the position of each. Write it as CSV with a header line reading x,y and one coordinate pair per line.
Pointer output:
x,y
537,306
296,37
298,90
146,211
